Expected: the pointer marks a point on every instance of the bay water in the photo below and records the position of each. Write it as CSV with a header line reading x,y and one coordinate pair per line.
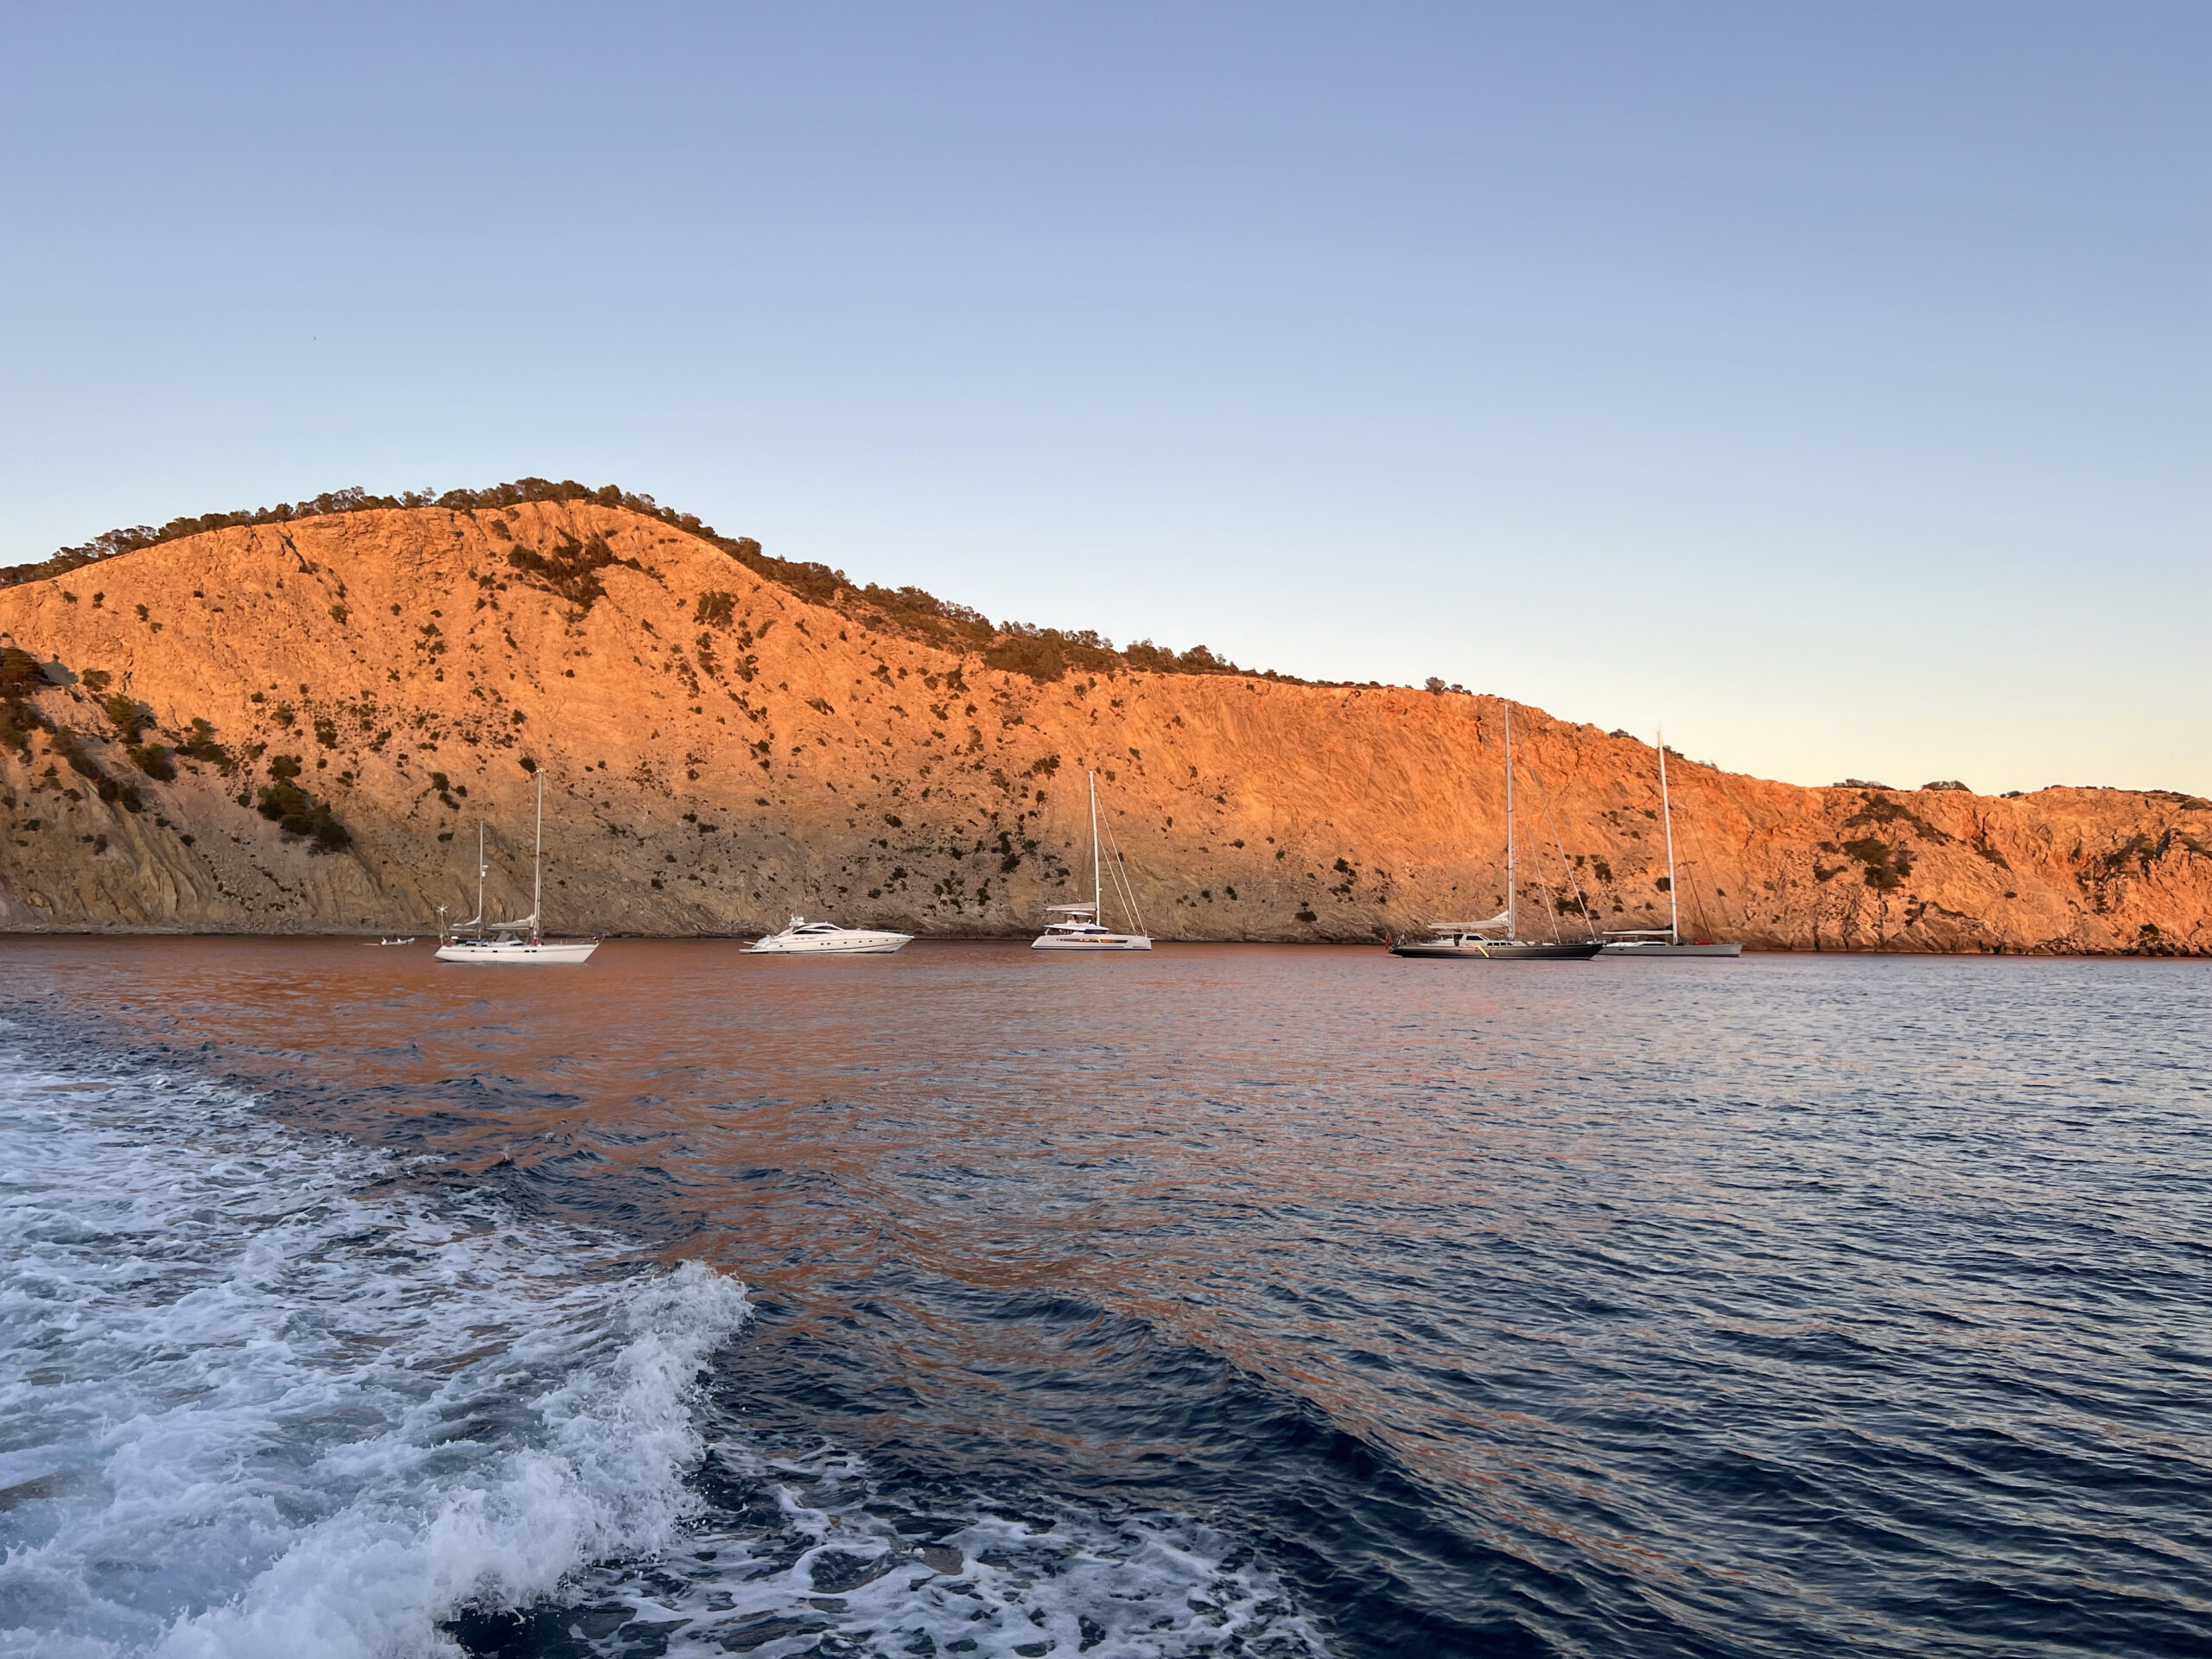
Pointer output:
x,y
1231,1300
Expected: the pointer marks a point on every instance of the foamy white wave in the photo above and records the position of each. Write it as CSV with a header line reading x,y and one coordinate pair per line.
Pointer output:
x,y
815,1559
254,1399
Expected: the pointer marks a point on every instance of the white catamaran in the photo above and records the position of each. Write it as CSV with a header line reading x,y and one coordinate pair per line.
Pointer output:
x,y
1666,941
514,943
1472,941
1084,927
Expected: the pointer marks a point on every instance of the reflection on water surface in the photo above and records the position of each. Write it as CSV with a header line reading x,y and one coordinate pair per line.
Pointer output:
x,y
1610,1308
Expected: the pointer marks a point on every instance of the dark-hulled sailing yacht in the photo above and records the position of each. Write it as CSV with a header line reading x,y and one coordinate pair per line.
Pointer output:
x,y
1499,939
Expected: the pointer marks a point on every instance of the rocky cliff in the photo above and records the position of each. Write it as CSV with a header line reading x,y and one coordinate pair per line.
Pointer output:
x,y
297,727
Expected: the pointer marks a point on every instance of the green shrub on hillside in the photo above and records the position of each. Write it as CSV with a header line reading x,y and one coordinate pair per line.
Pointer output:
x,y
125,714
200,745
154,760
571,570
291,810
19,674
1884,867
64,742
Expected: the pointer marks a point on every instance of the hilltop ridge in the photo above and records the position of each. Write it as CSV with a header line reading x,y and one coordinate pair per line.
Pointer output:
x,y
293,725
1041,652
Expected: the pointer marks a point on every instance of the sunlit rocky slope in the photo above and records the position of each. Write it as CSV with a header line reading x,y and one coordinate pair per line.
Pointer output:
x,y
296,726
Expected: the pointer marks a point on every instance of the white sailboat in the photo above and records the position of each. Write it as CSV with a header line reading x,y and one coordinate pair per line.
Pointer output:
x,y
1472,941
805,938
515,944
1666,941
1082,926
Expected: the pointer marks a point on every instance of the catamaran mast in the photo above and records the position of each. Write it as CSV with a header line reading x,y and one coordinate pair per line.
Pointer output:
x,y
1097,883
1674,899
1512,886
481,868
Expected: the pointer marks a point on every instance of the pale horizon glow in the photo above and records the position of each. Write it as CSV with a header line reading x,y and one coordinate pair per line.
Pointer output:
x,y
1833,390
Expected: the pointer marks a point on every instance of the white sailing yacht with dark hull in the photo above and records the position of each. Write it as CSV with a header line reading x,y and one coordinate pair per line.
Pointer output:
x,y
516,944
1474,941
1083,927
1666,941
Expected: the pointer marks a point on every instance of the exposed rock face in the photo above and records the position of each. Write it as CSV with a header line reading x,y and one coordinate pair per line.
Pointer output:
x,y
721,753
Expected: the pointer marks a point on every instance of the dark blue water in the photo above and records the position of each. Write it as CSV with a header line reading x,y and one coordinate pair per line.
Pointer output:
x,y
1249,1300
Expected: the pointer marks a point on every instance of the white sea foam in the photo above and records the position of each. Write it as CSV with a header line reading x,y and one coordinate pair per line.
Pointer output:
x,y
256,1400
817,1559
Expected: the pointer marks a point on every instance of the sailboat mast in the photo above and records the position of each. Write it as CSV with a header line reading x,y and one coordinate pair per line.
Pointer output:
x,y
536,852
481,869
1097,883
1674,899
1512,885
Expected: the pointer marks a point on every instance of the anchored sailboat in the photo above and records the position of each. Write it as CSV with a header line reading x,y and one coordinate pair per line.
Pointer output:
x,y
1666,941
515,944
1472,940
1084,928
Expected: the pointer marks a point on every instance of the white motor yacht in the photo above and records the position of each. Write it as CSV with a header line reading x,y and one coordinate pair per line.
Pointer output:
x,y
805,938
516,944
1084,927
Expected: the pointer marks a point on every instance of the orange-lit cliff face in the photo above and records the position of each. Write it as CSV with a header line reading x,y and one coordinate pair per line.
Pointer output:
x,y
720,753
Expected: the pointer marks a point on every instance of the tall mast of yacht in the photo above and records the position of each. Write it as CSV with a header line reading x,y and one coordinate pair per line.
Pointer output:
x,y
1097,882
536,852
1512,886
481,869
1674,899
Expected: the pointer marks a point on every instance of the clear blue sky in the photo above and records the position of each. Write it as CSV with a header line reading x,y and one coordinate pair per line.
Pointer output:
x,y
1831,384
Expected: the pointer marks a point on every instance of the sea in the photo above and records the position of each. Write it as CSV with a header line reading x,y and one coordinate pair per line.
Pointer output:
x,y
1233,1300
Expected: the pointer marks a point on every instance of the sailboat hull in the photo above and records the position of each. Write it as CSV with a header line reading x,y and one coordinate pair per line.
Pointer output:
x,y
1663,947
1097,942
517,953
1493,950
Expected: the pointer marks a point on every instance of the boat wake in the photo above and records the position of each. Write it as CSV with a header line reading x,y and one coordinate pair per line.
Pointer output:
x,y
258,1397
803,1554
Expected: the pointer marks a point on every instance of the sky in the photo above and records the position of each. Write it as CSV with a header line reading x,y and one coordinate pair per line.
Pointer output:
x,y
1831,385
